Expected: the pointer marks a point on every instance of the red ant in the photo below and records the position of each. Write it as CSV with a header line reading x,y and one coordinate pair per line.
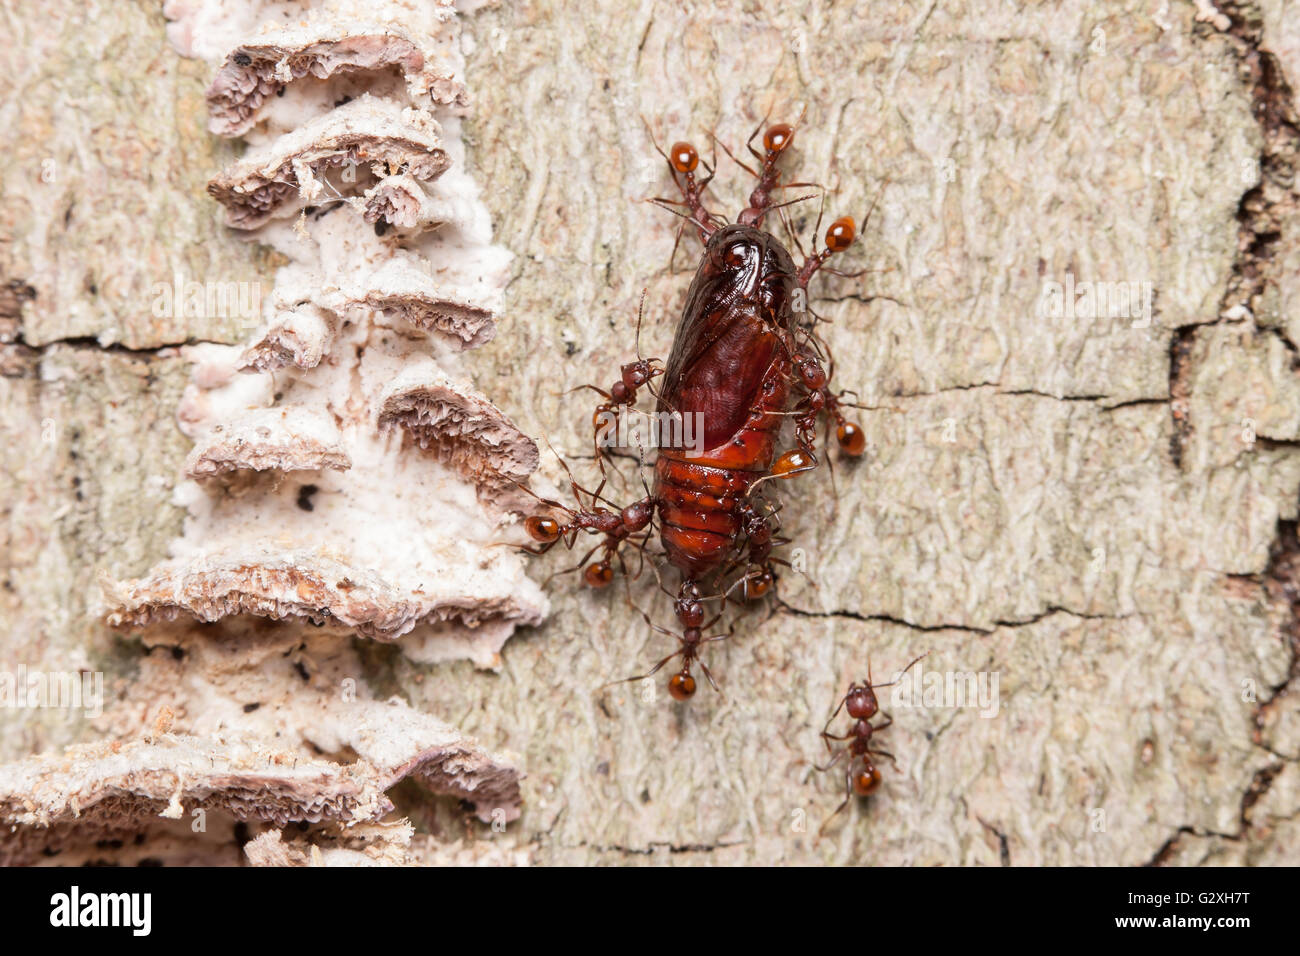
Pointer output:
x,y
861,776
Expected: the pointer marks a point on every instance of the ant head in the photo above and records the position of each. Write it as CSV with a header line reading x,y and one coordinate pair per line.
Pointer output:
x,y
636,374
861,702
637,515
867,780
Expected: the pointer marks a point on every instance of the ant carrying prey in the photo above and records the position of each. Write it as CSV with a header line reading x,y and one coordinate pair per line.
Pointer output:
x,y
746,359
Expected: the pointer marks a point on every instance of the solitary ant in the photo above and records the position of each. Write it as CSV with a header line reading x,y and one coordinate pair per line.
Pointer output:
x,y
861,776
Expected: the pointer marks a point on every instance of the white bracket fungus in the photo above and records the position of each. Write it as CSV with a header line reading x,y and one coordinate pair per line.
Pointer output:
x,y
261,68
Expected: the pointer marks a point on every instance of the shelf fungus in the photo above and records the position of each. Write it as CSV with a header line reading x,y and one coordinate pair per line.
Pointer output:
x,y
402,202
271,684
185,799
347,481
298,336
328,154
458,425
270,439
404,293
261,68
243,737
308,586
113,792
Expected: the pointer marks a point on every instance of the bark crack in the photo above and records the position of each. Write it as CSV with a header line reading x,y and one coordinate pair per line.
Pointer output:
x,y
90,342
1047,612
1003,850
1259,785
1098,399
652,847
1261,215
1263,210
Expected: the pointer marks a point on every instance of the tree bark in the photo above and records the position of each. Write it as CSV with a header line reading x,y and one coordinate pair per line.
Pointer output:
x,y
1099,513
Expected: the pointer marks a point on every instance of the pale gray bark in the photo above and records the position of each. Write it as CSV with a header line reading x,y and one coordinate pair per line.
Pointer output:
x,y
1098,514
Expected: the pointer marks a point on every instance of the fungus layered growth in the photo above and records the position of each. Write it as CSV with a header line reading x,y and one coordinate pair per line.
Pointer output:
x,y
307,586
347,481
181,798
257,442
298,336
259,69
458,425
367,136
355,386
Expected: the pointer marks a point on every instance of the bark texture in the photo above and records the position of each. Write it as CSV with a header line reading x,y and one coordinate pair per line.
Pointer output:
x,y
1102,515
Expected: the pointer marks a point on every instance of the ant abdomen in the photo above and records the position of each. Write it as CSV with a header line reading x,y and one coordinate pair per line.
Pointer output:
x,y
866,781
542,530
681,686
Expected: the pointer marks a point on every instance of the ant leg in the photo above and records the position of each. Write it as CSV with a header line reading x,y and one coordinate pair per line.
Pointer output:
x,y
828,738
681,651
835,713
732,156
848,794
836,757
749,143
883,753
583,560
